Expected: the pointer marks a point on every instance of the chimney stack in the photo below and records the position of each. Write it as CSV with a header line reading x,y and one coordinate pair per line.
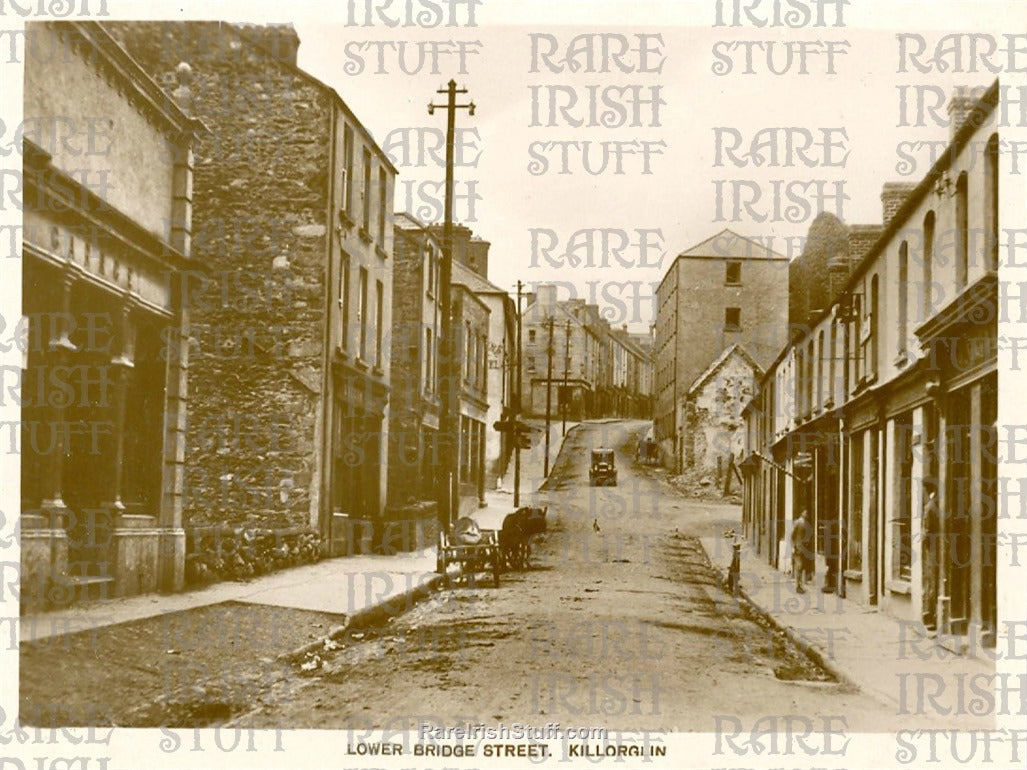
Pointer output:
x,y
893,195
547,298
960,106
478,256
183,94
280,41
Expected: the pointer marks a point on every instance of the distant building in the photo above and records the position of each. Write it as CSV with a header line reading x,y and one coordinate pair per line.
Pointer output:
x,y
415,404
471,342
726,290
714,426
596,371
106,247
502,348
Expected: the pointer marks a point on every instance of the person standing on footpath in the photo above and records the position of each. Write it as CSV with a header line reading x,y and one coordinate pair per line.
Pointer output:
x,y
802,550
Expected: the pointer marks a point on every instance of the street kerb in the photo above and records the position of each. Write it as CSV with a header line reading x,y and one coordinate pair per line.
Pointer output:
x,y
808,648
559,451
367,617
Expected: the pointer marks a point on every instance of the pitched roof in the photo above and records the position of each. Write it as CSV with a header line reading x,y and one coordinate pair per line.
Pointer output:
x,y
720,361
473,281
730,245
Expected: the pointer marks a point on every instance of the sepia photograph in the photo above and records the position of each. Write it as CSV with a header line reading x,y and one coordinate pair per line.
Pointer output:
x,y
489,384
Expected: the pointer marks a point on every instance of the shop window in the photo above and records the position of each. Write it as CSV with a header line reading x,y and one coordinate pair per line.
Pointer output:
x,y
902,520
854,533
465,454
428,358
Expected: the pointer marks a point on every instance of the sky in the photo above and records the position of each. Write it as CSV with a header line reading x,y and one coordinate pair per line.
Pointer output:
x,y
838,91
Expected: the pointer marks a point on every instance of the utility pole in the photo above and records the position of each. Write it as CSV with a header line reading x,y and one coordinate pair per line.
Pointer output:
x,y
448,424
566,371
549,391
517,406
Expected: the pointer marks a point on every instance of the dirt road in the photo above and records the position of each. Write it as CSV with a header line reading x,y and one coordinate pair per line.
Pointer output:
x,y
620,622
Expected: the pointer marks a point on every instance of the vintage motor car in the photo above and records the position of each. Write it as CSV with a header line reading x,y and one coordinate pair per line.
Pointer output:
x,y
602,470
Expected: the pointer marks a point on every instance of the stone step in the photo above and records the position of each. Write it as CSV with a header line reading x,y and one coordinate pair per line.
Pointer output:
x,y
77,588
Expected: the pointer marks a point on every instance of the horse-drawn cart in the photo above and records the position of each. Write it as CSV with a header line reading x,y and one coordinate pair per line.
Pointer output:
x,y
473,557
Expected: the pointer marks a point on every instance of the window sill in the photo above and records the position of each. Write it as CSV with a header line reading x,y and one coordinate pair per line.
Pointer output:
x,y
377,370
361,364
364,235
899,587
382,253
346,220
856,576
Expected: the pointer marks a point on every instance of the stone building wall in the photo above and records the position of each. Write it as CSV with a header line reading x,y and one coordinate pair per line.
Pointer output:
x,y
258,308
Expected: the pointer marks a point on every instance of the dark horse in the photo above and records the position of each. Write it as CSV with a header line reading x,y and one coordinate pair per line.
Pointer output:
x,y
518,529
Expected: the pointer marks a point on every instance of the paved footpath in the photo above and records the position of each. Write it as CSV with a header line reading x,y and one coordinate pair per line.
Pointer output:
x,y
881,655
350,585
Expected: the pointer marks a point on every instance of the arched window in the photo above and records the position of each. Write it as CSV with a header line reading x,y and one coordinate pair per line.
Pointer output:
x,y
962,232
991,204
820,369
926,292
874,326
903,307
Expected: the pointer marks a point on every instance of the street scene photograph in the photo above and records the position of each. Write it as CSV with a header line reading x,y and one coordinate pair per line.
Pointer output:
x,y
490,384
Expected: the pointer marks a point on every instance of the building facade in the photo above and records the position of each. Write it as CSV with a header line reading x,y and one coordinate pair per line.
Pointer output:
x,y
726,290
107,254
293,222
596,371
892,393
471,342
416,325
713,407
502,347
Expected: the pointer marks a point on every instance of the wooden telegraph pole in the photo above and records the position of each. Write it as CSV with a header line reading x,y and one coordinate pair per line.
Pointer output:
x,y
549,392
565,401
517,406
449,412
